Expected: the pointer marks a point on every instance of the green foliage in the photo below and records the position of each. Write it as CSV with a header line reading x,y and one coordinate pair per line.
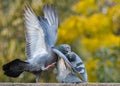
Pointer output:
x,y
91,27
109,64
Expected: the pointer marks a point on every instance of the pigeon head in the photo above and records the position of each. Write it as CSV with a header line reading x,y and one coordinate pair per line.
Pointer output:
x,y
64,48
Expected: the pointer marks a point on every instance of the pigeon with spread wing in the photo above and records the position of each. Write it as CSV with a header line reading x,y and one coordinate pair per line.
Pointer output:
x,y
69,64
41,35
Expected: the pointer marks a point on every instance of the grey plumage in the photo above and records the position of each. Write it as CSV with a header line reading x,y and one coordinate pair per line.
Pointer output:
x,y
69,63
79,66
41,35
64,75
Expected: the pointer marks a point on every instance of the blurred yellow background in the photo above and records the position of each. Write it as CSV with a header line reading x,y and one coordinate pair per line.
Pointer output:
x,y
91,27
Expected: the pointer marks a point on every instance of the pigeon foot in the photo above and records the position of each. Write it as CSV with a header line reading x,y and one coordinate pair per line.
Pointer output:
x,y
49,66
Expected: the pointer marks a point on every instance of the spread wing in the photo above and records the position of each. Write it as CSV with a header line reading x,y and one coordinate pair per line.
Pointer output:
x,y
50,24
35,36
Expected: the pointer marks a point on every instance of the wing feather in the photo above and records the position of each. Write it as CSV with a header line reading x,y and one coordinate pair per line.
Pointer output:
x,y
51,14
35,37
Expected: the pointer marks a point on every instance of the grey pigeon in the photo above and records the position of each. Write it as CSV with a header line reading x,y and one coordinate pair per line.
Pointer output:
x,y
64,74
41,36
69,64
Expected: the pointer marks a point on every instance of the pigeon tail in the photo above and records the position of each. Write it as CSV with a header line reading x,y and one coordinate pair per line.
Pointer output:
x,y
14,68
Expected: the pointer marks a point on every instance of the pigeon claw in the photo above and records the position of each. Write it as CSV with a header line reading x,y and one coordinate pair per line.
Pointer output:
x,y
49,66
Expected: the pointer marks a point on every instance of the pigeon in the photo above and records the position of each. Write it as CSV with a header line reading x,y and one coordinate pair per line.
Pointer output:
x,y
69,64
64,74
41,36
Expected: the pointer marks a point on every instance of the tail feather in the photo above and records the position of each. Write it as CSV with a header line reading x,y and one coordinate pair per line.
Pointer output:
x,y
14,68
